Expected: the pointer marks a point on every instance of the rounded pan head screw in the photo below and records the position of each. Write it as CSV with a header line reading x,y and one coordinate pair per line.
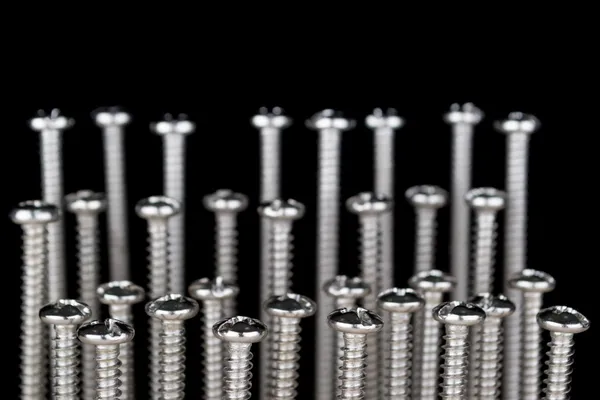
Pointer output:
x,y
240,330
290,306
65,312
157,207
330,119
427,196
531,280
368,203
400,301
173,125
432,281
357,321
466,113
172,307
518,122
495,306
282,209
85,201
52,120
108,332
271,117
111,116
34,212
562,319
486,199
384,119
225,200
343,286
120,293
206,289
458,313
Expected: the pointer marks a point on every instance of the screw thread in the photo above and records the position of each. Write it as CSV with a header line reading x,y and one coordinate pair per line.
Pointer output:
x,y
238,372
484,251
531,347
456,352
213,352
340,302
89,261
126,352
487,371
285,356
65,346
158,258
108,372
559,366
281,257
88,371
400,345
172,361
226,253
425,239
154,350
353,367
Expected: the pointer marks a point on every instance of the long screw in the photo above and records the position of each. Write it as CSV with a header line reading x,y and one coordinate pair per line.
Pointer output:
x,y
213,295
172,310
426,200
120,296
174,131
457,317
107,336
65,316
532,284
286,312
432,285
239,333
330,125
563,323
112,120
401,304
50,127
485,358
34,217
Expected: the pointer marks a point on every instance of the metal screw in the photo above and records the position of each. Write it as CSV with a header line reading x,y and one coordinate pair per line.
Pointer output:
x,y
172,310
563,323
400,304
107,336
431,285
355,325
34,217
239,333
120,296
485,365
485,203
174,131
426,200
112,120
286,312
213,295
65,316
330,125
532,284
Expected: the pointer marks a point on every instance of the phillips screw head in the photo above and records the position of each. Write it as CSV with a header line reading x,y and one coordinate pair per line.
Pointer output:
x,y
356,320
562,319
518,122
172,307
530,280
466,113
345,287
290,306
240,330
388,118
110,116
397,300
495,306
282,209
107,332
369,203
120,293
206,289
85,201
52,120
34,212
428,196
489,199
271,118
179,125
432,281
458,313
330,119
157,207
225,200
65,312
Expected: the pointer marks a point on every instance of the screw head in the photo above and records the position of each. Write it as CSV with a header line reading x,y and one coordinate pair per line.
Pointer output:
x,y
388,118
240,330
369,203
330,119
107,332
120,293
355,320
344,287
50,121
518,122
271,118
157,207
65,312
495,306
486,199
205,289
34,212
531,280
397,300
290,305
85,201
432,281
458,313
562,319
170,124
466,113
110,116
282,209
429,196
225,200
172,307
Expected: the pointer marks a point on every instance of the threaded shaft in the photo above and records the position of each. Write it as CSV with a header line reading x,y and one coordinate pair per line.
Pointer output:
x,y
281,256
400,344
484,251
560,366
158,258
108,372
65,382
226,253
172,361
340,302
88,371
238,372
213,352
531,347
353,367
284,358
488,360
123,313
456,352
425,239
154,350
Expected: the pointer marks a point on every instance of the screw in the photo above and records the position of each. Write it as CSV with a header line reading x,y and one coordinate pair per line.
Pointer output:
x,y
532,284
65,316
286,312
563,323
239,333
485,203
426,200
112,120
107,336
172,310
120,296
174,131
400,304
431,285
34,217
213,295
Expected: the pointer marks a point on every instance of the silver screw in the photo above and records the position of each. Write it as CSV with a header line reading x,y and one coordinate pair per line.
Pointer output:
x,y
518,127
34,217
172,310
65,316
112,120
356,325
174,131
563,323
330,125
532,284
213,295
50,127
120,296
401,304
107,336
431,285
485,203
457,317
426,200
239,333
286,312
485,365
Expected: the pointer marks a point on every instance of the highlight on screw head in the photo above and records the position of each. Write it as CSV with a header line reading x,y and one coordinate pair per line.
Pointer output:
x,y
282,209
217,289
225,200
65,312
85,201
400,300
369,203
355,320
343,286
432,281
120,293
34,212
486,198
466,113
290,305
172,307
495,306
518,122
531,280
50,121
387,118
107,332
157,207
271,118
562,319
111,116
240,330
178,125
429,196
458,313
330,119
